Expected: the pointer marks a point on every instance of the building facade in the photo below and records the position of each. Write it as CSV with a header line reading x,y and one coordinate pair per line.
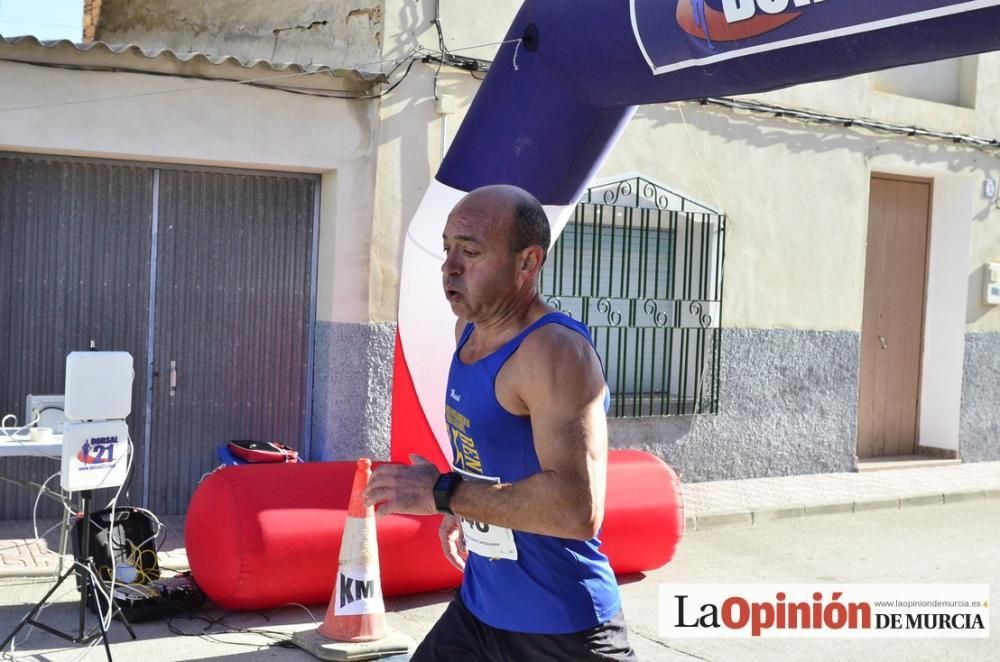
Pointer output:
x,y
852,324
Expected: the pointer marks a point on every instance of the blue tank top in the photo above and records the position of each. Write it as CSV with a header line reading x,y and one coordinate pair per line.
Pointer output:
x,y
556,585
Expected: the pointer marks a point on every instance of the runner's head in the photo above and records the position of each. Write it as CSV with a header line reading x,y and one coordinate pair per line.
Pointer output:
x,y
495,243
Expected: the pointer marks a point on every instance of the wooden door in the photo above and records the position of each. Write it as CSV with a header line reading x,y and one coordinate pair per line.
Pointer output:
x,y
892,327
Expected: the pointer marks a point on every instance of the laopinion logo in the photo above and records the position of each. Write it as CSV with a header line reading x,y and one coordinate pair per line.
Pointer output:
x,y
733,20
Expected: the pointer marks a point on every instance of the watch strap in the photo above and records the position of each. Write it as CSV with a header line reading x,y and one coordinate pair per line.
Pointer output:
x,y
444,488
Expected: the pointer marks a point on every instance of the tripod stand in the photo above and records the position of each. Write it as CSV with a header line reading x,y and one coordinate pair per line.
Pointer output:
x,y
86,574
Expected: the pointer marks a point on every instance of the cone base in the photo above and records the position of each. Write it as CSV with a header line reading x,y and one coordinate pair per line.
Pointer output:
x,y
311,641
354,628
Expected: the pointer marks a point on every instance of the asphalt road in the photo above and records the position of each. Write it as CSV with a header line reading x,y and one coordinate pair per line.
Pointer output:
x,y
954,543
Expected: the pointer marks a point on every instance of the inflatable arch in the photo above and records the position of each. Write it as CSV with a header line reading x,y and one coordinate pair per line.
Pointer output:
x,y
555,102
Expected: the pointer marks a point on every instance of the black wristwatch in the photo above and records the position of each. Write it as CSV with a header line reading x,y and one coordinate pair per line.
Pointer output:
x,y
443,489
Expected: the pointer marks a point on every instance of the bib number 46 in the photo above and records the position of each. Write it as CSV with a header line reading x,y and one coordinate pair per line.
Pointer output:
x,y
482,527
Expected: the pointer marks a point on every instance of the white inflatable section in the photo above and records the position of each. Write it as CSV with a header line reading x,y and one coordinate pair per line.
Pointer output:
x,y
426,323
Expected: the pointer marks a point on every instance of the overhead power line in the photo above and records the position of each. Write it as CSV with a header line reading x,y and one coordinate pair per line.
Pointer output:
x,y
812,116
261,81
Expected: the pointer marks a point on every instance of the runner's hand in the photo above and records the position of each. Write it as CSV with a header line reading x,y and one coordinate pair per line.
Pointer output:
x,y
452,541
403,488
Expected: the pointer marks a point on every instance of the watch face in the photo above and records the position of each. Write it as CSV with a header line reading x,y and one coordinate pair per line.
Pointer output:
x,y
443,489
445,481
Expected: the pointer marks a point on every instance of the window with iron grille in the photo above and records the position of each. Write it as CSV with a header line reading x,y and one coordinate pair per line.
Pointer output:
x,y
641,266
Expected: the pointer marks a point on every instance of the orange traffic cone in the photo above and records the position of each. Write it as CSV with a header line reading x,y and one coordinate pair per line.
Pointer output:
x,y
356,611
355,625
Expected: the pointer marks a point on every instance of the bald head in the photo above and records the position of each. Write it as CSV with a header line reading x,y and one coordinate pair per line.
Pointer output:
x,y
524,218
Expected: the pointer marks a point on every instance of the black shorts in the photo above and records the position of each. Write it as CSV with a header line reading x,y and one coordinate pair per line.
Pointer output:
x,y
458,635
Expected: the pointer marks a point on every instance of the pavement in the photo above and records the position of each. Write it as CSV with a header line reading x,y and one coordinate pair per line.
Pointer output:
x,y
27,564
876,486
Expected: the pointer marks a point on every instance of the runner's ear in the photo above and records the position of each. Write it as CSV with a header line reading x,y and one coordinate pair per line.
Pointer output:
x,y
530,260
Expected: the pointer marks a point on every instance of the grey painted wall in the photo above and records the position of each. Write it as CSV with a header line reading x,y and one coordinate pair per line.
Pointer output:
x,y
788,405
979,427
352,390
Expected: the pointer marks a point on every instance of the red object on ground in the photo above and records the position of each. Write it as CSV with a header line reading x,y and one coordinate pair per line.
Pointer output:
x,y
263,451
259,536
643,512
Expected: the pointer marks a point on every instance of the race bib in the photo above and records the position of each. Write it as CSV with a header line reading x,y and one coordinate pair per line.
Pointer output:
x,y
487,540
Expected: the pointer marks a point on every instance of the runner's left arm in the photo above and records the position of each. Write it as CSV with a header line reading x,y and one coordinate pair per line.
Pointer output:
x,y
558,379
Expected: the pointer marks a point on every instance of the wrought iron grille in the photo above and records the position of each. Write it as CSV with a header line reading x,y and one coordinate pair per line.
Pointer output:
x,y
642,266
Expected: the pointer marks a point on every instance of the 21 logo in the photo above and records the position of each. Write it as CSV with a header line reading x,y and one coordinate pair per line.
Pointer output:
x,y
99,450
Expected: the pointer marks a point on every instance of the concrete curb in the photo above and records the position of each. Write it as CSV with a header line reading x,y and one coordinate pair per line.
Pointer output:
x,y
757,516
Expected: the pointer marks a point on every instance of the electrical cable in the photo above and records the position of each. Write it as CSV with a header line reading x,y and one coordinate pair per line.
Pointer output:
x,y
441,45
104,596
786,112
108,595
159,526
277,637
90,645
984,144
12,436
34,510
34,525
14,642
446,56
99,588
153,93
259,81
112,506
50,408
697,157
17,430
34,518
294,604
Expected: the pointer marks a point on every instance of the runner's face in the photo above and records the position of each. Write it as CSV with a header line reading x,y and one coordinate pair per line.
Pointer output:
x,y
479,271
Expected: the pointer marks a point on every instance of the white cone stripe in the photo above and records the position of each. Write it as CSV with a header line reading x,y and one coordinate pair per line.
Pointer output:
x,y
359,544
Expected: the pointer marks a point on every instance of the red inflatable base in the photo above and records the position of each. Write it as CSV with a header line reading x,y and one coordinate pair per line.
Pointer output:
x,y
261,536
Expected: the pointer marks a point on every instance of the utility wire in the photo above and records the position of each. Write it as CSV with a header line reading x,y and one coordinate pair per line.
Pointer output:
x,y
153,93
445,57
474,65
803,115
262,81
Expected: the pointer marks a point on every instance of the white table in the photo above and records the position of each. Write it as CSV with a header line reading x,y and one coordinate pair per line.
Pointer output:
x,y
22,446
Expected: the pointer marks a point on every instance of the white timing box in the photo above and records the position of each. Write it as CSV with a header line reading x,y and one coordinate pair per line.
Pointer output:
x,y
98,386
94,455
